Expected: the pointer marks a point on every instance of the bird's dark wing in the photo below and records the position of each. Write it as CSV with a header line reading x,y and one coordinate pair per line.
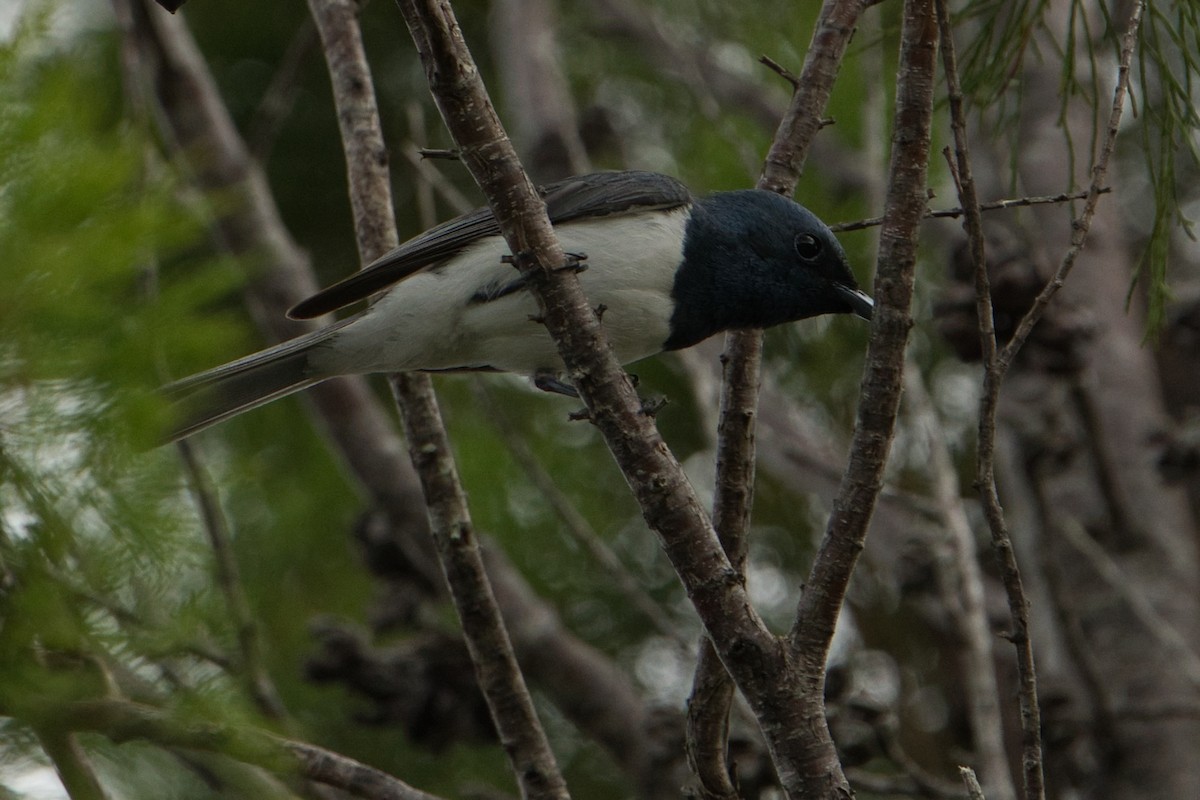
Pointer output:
x,y
596,195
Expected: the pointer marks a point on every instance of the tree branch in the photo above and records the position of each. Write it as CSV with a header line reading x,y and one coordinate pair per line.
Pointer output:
x,y
825,589
72,764
1031,743
996,363
955,213
708,709
491,650
1083,223
761,665
196,125
251,667
124,721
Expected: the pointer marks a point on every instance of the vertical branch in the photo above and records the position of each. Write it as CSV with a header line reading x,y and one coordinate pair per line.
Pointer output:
x,y
496,667
1031,742
996,364
985,455
799,127
825,590
491,651
712,690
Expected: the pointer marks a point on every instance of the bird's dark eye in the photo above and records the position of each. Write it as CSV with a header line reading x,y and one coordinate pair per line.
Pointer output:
x,y
808,246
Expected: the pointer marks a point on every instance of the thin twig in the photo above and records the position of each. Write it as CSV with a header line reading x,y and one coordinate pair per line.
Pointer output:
x,y
1083,222
445,155
955,213
781,71
1031,741
487,640
449,192
251,667
996,364
974,790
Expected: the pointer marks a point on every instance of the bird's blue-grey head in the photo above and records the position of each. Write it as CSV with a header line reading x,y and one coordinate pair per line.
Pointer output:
x,y
753,259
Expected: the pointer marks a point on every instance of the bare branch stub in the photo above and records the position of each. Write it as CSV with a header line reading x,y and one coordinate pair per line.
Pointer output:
x,y
440,153
780,70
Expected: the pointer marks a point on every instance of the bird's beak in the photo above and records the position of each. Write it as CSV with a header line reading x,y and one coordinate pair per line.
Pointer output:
x,y
860,302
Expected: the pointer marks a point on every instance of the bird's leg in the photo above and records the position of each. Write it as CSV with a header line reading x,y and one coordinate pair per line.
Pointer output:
x,y
575,261
494,291
651,407
550,382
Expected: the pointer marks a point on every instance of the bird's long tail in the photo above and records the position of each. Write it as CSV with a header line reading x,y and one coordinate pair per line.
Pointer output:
x,y
203,400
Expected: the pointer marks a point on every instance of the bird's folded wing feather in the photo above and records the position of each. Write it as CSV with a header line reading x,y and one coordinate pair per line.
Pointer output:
x,y
596,195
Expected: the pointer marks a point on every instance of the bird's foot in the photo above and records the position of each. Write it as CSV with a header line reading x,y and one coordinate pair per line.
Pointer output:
x,y
575,261
494,291
651,407
550,382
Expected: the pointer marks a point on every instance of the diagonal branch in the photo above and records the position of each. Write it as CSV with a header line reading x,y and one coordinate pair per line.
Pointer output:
x,y
196,125
251,667
1083,223
761,665
124,721
996,363
491,650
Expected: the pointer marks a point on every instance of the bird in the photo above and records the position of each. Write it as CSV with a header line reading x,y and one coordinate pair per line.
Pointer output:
x,y
669,270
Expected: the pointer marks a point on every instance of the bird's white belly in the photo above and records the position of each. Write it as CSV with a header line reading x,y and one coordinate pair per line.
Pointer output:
x,y
431,321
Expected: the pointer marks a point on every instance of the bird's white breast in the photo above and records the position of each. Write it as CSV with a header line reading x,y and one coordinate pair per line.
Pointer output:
x,y
431,322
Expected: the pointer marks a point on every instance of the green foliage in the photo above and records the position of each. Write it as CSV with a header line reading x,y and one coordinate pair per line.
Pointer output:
x,y
85,223
104,584
1001,36
1169,79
